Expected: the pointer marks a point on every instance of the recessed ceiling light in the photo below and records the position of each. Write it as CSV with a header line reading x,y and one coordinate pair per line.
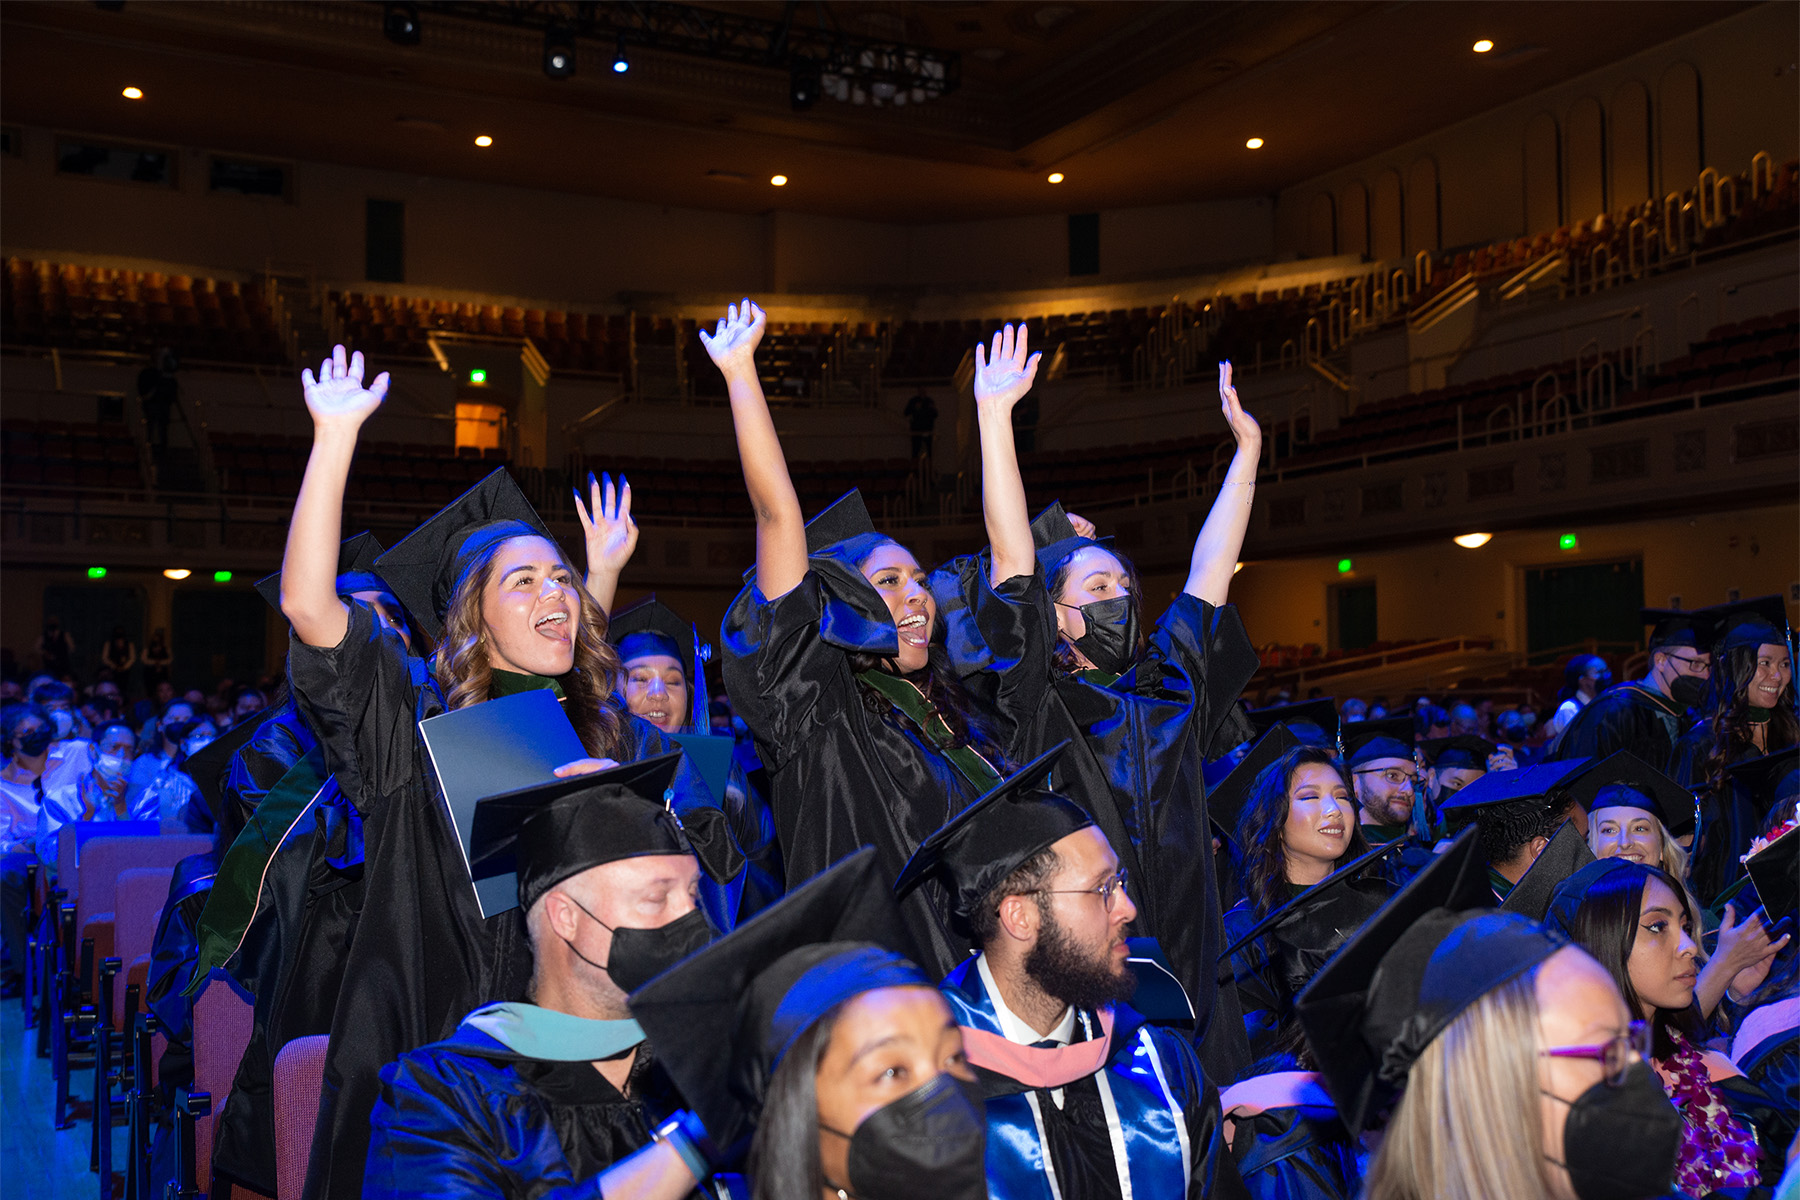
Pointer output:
x,y
133,93
1482,47
1473,541
778,180
1254,144
1056,177
484,140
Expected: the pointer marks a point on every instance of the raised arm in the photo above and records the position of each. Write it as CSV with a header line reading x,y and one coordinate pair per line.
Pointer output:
x,y
339,405
1222,537
780,526
1002,377
611,534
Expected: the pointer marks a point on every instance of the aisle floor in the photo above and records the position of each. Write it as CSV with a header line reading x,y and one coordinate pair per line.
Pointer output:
x,y
36,1161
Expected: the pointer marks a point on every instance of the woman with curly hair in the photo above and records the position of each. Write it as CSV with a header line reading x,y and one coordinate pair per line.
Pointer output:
x,y
1750,712
507,612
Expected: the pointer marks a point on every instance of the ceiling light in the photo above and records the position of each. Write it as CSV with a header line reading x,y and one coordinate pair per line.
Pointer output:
x,y
1473,541
1254,144
133,93
400,22
778,180
176,573
484,140
620,63
1056,177
1482,47
559,53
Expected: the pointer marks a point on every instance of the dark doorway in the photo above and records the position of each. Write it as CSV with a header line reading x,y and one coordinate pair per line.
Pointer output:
x,y
216,634
1352,616
1565,606
90,614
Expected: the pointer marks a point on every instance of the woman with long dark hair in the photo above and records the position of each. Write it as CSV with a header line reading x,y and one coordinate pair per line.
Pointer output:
x,y
507,613
1297,827
1750,712
1636,920
834,657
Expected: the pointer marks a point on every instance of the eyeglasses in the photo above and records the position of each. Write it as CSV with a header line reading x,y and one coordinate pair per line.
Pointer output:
x,y
1696,665
1113,888
1616,1055
1394,775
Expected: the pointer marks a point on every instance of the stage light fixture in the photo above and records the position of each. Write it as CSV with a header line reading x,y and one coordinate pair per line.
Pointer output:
x,y
400,22
96,572
176,573
559,53
221,576
1345,566
484,141
1482,47
778,180
133,93
1056,177
803,84
621,62
1254,144
1568,541
1472,541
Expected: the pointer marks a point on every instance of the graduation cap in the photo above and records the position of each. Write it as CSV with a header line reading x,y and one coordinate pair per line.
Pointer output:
x,y
984,843
1225,801
1429,953
1055,538
1566,854
553,830
1567,896
1463,751
1675,627
1751,623
1770,779
651,627
1623,780
855,617
208,765
355,570
722,1019
424,569
1301,719
1540,781
1390,737
1333,887
1772,872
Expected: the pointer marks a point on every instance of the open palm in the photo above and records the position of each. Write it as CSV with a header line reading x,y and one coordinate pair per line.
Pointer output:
x,y
1004,375
610,532
1243,426
732,346
338,394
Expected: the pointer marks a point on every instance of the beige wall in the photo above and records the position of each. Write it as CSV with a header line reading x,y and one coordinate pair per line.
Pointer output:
x,y
1442,590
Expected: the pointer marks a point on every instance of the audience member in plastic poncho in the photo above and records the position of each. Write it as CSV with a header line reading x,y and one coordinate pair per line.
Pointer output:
x,y
97,794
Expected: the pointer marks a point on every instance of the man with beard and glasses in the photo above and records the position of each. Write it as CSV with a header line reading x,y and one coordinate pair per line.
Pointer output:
x,y
1647,716
1071,1075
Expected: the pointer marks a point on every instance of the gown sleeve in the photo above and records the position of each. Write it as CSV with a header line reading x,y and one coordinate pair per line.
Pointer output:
x,y
360,698
1210,648
781,675
1213,1172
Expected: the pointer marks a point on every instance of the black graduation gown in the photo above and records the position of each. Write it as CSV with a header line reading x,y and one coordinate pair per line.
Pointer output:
x,y
1627,716
1729,821
1298,1153
420,955
1139,744
173,952
846,769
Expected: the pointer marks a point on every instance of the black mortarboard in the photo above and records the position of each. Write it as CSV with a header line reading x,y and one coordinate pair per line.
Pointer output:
x,y
551,831
355,570
1567,896
1623,780
722,1019
855,617
1675,627
1301,718
984,843
1429,953
1333,885
1543,781
1771,778
651,627
1566,854
1751,623
1772,872
427,564
1462,751
1225,800
208,765
1055,538
1390,737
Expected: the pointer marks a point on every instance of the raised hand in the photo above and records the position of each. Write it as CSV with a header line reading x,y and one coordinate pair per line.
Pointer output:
x,y
732,346
1243,426
1004,375
338,396
1082,526
611,534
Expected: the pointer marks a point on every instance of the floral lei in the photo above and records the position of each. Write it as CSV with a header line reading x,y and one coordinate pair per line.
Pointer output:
x,y
1716,1150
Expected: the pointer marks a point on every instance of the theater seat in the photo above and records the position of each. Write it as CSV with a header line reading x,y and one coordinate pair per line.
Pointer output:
x,y
299,1078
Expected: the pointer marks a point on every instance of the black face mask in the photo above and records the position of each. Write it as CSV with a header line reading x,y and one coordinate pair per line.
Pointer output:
x,y
1111,640
1620,1142
640,955
930,1142
1689,691
35,742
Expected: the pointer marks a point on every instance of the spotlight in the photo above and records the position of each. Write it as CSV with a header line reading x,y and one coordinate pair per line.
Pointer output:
x,y
778,180
1482,47
559,53
620,63
1254,144
1472,541
484,141
176,573
400,22
803,84
1056,177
